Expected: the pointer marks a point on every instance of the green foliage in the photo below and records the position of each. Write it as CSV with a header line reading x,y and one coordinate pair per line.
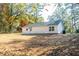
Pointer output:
x,y
13,15
16,15
69,13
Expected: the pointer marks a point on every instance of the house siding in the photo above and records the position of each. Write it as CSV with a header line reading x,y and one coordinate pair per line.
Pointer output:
x,y
40,29
60,27
55,29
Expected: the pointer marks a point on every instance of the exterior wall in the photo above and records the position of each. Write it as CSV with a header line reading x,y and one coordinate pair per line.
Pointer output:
x,y
24,30
39,30
60,27
55,29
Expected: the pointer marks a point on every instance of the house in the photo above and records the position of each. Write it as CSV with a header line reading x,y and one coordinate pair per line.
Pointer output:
x,y
44,28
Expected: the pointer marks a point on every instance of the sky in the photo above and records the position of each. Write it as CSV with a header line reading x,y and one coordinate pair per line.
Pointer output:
x,y
48,11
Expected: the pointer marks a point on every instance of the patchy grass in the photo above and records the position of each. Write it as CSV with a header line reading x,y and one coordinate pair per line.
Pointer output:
x,y
16,44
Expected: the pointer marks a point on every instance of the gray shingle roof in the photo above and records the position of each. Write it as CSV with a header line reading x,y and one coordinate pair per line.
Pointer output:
x,y
45,23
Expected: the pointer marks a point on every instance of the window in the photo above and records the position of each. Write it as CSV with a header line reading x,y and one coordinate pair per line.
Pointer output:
x,y
51,28
26,29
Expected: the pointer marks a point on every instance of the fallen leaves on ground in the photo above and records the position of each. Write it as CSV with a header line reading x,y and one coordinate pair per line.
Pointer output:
x,y
39,45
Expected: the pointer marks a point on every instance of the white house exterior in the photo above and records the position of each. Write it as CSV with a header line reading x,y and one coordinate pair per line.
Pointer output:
x,y
44,28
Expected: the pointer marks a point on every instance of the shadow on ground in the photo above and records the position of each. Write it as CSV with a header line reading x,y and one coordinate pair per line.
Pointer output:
x,y
50,45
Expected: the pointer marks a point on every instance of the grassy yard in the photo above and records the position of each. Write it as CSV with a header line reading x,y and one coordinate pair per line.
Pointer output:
x,y
16,44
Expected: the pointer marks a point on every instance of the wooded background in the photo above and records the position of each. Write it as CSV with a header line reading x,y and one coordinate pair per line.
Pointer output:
x,y
13,16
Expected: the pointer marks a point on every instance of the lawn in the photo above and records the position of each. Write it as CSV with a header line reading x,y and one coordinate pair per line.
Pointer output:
x,y
16,44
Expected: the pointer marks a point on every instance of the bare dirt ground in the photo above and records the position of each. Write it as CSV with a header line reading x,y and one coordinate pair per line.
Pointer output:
x,y
16,44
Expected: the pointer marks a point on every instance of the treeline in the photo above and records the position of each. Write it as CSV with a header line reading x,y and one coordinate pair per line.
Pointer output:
x,y
69,13
14,16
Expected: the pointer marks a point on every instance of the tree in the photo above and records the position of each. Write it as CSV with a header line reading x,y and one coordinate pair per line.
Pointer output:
x,y
16,15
